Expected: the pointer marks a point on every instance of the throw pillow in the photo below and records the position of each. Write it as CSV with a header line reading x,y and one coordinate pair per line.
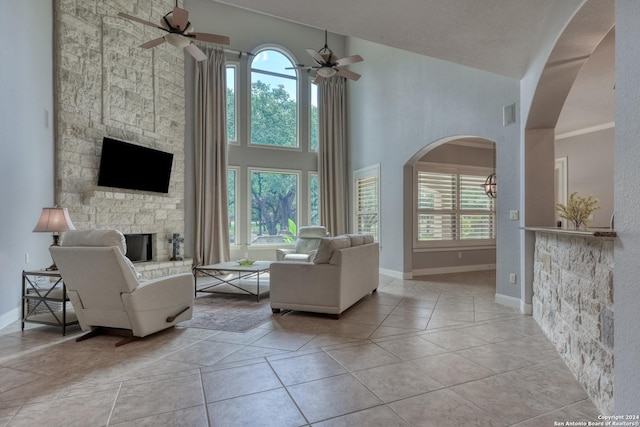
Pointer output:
x,y
328,245
367,238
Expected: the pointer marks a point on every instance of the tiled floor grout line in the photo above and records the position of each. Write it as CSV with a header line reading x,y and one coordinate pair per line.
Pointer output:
x,y
115,401
288,393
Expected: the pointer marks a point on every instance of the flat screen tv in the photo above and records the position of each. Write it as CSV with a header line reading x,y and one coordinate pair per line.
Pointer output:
x,y
125,165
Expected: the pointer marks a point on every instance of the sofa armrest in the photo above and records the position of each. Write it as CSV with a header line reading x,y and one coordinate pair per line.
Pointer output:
x,y
303,283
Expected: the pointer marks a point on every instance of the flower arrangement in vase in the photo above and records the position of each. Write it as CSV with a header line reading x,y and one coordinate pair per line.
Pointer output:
x,y
578,210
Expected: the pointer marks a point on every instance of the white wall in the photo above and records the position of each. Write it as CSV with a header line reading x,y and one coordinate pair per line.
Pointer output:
x,y
627,206
590,169
405,102
26,145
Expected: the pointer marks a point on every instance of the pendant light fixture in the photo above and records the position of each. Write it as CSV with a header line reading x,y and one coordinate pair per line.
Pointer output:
x,y
490,185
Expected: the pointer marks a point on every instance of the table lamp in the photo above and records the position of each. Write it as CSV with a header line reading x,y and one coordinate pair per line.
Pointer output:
x,y
54,220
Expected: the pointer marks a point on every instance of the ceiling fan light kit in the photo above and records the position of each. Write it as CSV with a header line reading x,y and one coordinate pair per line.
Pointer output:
x,y
180,33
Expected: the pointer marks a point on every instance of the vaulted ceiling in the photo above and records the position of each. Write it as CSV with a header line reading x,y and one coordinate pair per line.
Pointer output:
x,y
499,36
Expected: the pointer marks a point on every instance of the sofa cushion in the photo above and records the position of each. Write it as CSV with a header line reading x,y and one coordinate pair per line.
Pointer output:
x,y
367,238
356,239
328,245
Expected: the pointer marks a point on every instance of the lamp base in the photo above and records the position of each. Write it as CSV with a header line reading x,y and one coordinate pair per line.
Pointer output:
x,y
52,267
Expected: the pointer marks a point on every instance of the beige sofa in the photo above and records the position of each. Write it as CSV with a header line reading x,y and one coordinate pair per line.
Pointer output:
x,y
344,270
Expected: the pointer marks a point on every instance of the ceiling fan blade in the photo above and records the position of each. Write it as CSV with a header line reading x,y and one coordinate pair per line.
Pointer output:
x,y
349,74
152,43
319,79
349,60
315,55
194,51
141,21
211,38
180,18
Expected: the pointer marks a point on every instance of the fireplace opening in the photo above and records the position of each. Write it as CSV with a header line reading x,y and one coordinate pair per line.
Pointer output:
x,y
139,247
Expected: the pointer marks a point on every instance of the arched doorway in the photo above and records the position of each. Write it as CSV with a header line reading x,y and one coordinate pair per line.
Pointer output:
x,y
451,224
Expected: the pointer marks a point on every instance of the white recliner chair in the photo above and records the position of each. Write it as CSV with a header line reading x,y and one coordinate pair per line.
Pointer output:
x,y
106,295
309,237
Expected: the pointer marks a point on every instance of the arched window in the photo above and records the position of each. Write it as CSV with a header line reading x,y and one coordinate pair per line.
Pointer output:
x,y
274,104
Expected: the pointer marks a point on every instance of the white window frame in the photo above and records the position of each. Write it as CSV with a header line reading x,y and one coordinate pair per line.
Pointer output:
x,y
457,243
293,61
252,169
366,172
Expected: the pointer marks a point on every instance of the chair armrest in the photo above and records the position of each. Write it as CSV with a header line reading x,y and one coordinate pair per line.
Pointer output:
x,y
165,291
282,252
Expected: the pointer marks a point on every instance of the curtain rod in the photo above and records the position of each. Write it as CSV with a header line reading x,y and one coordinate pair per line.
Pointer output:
x,y
238,52
227,50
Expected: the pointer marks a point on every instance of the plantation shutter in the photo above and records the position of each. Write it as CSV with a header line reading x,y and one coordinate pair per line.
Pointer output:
x,y
476,209
367,205
436,206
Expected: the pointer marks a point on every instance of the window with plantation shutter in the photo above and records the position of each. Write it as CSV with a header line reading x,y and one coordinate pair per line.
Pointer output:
x,y
451,208
366,184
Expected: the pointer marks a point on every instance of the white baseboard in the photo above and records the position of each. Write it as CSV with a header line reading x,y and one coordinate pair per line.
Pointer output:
x,y
514,302
395,274
526,308
9,317
447,270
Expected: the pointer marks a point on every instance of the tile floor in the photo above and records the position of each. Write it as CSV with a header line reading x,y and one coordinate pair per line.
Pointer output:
x,y
436,351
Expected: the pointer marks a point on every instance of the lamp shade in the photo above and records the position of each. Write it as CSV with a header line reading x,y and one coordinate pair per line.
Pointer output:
x,y
54,220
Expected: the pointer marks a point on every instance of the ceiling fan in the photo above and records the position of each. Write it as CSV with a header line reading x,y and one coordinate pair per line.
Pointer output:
x,y
179,32
329,65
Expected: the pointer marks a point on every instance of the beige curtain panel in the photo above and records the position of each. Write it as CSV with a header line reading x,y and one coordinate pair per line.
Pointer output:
x,y
332,155
212,222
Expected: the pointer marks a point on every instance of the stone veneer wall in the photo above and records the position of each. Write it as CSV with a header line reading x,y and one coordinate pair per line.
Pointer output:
x,y
573,304
108,86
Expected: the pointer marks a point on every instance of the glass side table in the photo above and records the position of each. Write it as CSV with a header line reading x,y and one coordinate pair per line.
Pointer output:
x,y
45,300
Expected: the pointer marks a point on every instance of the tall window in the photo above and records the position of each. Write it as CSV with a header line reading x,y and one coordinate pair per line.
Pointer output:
x,y
314,199
232,191
366,190
452,208
313,119
273,187
231,103
274,107
274,205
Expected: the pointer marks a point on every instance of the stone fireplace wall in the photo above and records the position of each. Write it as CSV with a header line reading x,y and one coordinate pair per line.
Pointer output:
x,y
108,86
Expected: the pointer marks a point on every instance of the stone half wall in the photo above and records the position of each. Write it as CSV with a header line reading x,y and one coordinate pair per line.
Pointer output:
x,y
573,304
108,86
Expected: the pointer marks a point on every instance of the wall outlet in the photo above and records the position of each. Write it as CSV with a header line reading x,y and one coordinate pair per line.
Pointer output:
x,y
513,278
514,215
26,258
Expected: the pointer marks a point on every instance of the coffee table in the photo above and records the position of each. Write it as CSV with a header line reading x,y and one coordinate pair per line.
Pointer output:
x,y
216,271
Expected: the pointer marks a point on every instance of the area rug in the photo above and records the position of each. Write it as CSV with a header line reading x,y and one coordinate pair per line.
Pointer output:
x,y
229,312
